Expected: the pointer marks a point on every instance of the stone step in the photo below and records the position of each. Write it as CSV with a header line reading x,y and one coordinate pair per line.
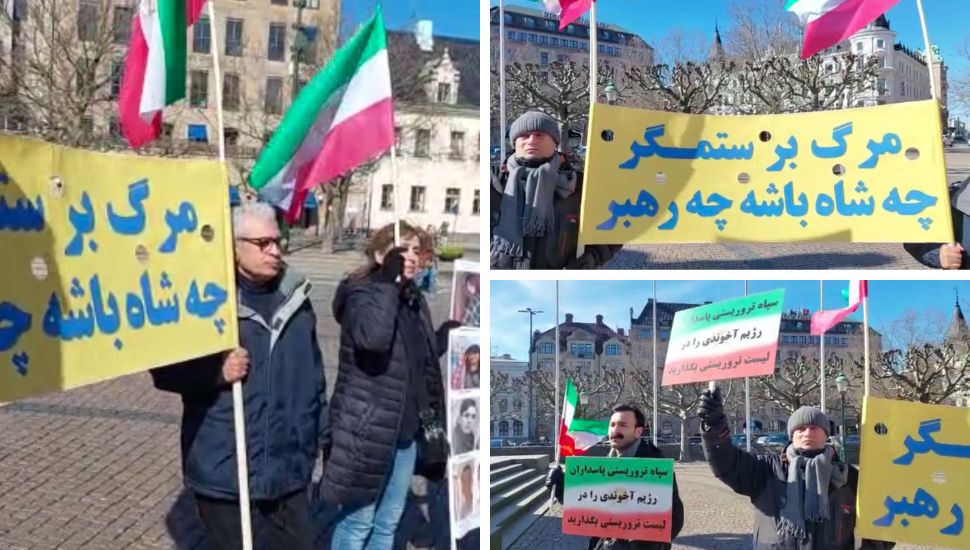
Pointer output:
x,y
506,518
504,470
506,480
502,498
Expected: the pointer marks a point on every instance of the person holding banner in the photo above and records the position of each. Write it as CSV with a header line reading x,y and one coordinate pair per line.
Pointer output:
x,y
388,396
535,204
627,426
953,255
281,369
803,499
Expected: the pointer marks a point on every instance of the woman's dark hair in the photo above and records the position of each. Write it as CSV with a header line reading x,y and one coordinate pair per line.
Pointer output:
x,y
382,240
467,404
473,349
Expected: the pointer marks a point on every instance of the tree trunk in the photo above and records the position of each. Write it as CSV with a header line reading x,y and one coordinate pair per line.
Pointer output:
x,y
684,445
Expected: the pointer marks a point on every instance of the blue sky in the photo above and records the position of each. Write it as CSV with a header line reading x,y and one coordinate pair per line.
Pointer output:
x,y
889,300
946,20
456,18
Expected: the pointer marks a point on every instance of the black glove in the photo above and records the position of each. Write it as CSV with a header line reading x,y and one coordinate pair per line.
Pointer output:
x,y
393,266
555,480
442,334
711,410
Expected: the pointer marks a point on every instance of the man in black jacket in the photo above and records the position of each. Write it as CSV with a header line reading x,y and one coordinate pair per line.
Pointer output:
x,y
535,204
281,369
791,512
627,425
955,255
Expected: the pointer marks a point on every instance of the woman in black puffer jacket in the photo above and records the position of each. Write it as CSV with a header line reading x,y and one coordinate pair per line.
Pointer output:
x,y
388,375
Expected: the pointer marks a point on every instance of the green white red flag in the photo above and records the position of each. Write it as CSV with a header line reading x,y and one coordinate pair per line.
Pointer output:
x,y
342,118
576,435
730,339
567,10
155,66
824,320
828,22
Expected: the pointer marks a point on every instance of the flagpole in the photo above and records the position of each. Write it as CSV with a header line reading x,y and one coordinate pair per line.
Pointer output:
x,y
865,333
747,400
397,197
558,419
239,419
501,81
929,53
655,425
821,345
593,89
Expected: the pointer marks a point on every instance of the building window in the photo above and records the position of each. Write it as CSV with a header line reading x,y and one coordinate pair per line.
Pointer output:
x,y
279,2
87,20
306,39
114,128
444,92
503,428
199,88
231,135
859,47
574,44
664,334
452,200
273,102
121,28
612,349
476,203
387,197
543,39
234,37
398,132
554,41
547,348
511,35
87,125
581,350
167,129
313,4
533,38
198,133
551,26
544,58
422,143
521,37
880,43
276,50
417,198
517,427
230,92
117,70
529,22
457,145
201,36
508,19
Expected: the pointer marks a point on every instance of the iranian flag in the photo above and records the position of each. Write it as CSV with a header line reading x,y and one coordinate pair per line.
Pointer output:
x,y
828,22
575,434
342,118
824,320
155,66
567,10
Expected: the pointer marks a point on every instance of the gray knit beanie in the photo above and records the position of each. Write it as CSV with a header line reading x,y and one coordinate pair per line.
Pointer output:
x,y
533,121
808,416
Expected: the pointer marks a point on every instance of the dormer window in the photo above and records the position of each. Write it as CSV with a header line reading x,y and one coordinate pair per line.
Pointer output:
x,y
444,92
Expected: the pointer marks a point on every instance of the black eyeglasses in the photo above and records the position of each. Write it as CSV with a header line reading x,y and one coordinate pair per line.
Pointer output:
x,y
263,242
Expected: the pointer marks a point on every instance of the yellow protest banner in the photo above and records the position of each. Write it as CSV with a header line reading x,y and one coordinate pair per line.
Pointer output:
x,y
914,471
112,264
874,174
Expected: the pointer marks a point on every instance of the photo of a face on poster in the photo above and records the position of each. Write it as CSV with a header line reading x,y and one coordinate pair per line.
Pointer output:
x,y
464,477
464,357
466,294
464,432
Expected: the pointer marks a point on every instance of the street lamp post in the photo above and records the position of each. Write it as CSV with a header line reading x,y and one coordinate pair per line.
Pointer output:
x,y
611,92
842,384
297,49
532,411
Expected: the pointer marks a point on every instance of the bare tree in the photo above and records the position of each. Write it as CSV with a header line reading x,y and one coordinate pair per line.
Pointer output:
x,y
687,87
59,74
796,382
761,29
601,390
787,84
926,373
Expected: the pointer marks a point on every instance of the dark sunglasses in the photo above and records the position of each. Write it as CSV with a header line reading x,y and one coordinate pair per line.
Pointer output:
x,y
263,242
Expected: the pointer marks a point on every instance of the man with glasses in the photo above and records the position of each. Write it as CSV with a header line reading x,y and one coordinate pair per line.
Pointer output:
x,y
280,366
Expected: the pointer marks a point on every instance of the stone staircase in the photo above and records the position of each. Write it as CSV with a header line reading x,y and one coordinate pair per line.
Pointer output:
x,y
518,496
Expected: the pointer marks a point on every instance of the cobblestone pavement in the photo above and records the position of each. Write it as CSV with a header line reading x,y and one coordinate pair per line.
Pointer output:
x,y
98,467
716,518
783,255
